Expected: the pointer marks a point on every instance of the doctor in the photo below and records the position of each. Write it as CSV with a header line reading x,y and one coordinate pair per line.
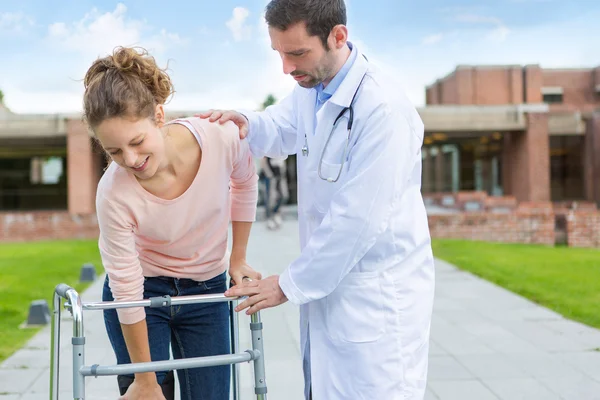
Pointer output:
x,y
365,277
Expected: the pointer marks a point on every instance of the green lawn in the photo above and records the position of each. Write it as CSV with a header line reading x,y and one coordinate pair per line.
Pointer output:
x,y
30,271
566,280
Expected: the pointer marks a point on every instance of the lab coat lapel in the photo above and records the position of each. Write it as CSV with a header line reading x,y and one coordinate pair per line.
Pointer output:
x,y
330,110
325,117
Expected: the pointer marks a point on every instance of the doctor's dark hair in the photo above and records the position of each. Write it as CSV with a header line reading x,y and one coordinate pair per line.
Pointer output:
x,y
126,84
320,16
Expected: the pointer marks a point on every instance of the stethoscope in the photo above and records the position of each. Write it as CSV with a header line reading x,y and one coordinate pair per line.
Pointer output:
x,y
350,110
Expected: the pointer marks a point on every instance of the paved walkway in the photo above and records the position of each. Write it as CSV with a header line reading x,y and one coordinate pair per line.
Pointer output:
x,y
486,343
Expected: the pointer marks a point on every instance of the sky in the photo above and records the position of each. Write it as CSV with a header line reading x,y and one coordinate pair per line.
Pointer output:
x,y
219,54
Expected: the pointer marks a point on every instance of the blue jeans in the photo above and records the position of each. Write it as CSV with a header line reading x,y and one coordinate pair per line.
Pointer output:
x,y
192,330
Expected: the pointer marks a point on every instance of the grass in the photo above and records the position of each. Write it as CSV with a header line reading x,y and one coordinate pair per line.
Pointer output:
x,y
30,271
563,279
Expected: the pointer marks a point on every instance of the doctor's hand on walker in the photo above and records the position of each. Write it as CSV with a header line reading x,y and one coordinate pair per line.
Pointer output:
x,y
262,294
227,115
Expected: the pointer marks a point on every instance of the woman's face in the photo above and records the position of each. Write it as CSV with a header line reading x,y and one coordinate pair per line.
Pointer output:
x,y
138,146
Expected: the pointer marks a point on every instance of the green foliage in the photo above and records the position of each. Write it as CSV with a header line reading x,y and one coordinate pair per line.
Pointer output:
x,y
270,100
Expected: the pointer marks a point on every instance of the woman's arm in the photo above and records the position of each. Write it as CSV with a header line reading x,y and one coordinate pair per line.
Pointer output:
x,y
238,267
120,259
244,196
136,338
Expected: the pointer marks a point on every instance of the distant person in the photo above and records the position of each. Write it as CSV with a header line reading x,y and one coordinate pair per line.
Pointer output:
x,y
276,189
164,206
364,279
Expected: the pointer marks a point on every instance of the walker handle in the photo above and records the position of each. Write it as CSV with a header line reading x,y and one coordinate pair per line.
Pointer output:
x,y
62,289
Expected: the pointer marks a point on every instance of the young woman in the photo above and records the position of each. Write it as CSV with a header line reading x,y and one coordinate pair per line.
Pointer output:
x,y
164,205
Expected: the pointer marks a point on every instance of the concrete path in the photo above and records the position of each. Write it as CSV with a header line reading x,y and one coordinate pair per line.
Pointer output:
x,y
486,343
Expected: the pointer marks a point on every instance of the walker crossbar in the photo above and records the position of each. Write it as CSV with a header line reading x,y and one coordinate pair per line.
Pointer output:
x,y
154,302
195,362
81,371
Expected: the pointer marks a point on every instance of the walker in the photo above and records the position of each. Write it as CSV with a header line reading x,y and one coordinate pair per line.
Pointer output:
x,y
80,371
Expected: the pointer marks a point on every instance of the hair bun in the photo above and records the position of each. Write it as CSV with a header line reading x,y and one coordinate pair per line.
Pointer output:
x,y
137,64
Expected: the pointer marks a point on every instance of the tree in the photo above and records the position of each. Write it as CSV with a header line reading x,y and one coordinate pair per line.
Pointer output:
x,y
269,101
1,97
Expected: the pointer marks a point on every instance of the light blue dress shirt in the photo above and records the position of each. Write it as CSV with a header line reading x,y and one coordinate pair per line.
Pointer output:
x,y
324,94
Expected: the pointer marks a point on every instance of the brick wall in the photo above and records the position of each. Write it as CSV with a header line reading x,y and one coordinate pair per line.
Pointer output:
x,y
526,161
578,89
448,90
583,228
46,225
431,95
534,80
530,223
80,169
486,85
591,158
478,85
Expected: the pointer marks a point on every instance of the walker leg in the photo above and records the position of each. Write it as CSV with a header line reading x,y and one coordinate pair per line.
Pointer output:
x,y
55,348
260,382
78,342
235,347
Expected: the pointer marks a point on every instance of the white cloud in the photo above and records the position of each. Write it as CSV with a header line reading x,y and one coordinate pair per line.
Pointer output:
x,y
68,49
15,22
241,75
99,33
432,39
499,34
237,24
499,31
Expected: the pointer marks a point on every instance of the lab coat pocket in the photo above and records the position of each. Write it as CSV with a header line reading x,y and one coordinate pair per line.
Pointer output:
x,y
324,190
355,309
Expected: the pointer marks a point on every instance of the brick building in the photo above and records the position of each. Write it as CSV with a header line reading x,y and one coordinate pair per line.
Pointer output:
x,y
501,144
553,159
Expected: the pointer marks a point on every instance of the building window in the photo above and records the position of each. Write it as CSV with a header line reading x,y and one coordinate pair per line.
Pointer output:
x,y
33,183
566,168
46,170
553,98
552,95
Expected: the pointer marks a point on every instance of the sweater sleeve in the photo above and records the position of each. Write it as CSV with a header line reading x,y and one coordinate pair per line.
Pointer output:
x,y
243,183
120,257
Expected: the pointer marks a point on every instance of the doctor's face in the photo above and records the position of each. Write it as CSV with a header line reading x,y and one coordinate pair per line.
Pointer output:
x,y
303,56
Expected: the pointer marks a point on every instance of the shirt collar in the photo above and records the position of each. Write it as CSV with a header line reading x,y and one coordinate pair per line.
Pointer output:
x,y
348,87
324,94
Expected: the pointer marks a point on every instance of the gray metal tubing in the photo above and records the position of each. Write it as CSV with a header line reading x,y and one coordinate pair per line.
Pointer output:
x,y
260,380
78,343
235,347
78,363
80,371
76,308
55,347
180,300
167,365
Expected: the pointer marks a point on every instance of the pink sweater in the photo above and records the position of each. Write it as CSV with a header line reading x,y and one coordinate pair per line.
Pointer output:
x,y
142,235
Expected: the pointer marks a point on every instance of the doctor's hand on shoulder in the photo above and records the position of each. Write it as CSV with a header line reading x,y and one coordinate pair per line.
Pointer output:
x,y
227,115
263,294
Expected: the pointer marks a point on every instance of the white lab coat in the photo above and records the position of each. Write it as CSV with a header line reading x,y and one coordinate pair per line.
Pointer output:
x,y
365,277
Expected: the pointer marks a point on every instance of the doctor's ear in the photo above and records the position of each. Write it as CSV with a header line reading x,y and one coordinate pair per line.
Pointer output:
x,y
338,36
